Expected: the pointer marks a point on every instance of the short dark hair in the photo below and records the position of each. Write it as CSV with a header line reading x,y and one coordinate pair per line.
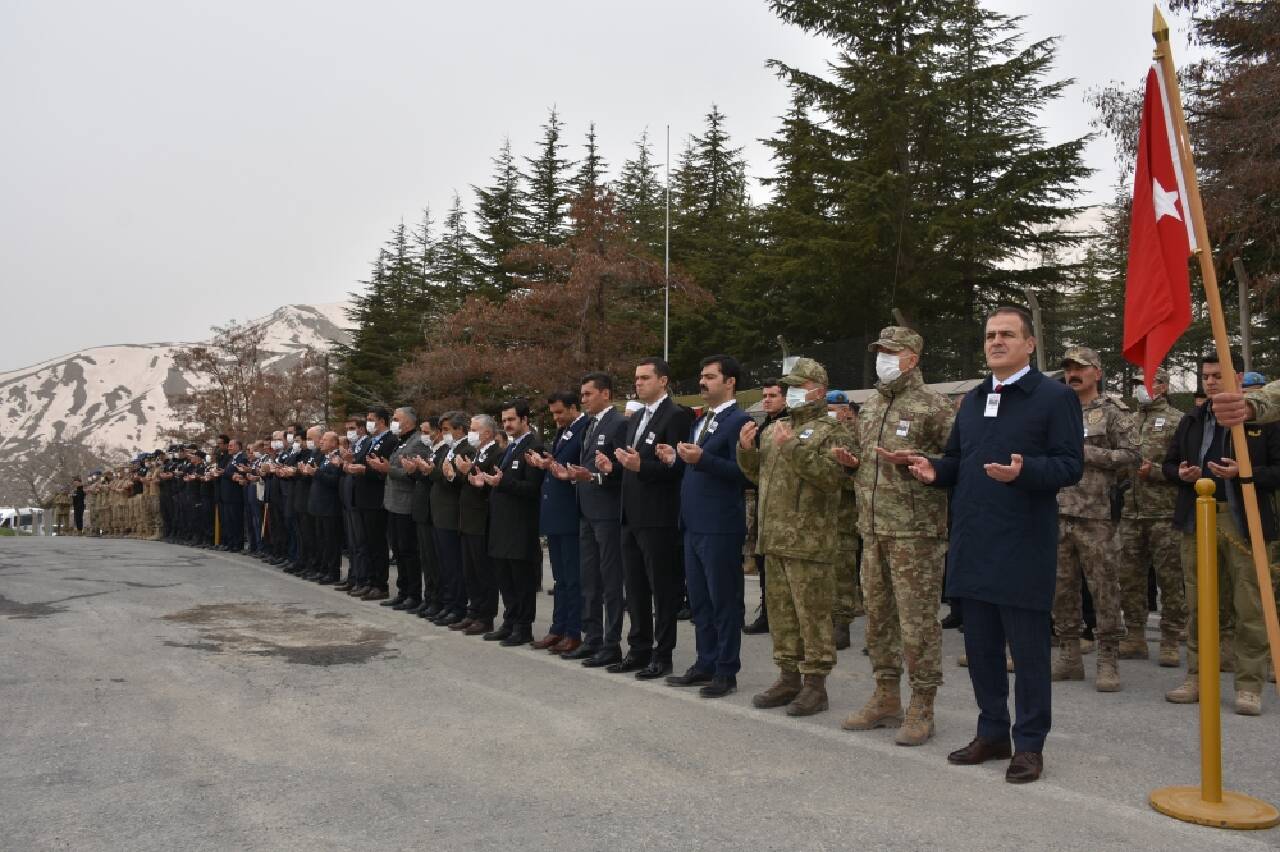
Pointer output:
x,y
520,404
380,413
1028,324
660,367
567,398
773,382
602,381
1237,362
458,419
224,439
729,366
297,429
432,421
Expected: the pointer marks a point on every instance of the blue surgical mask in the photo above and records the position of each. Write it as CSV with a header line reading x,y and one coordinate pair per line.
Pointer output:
x,y
797,397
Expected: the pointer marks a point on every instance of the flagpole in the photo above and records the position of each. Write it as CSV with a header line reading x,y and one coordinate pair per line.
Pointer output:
x,y
666,263
1209,804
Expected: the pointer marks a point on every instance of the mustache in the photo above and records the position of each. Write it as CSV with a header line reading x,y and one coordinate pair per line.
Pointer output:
x,y
1075,381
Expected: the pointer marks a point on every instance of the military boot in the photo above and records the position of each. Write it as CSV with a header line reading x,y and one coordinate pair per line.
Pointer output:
x,y
812,698
840,629
1068,665
883,709
1187,692
1134,646
918,727
783,691
1170,653
1108,679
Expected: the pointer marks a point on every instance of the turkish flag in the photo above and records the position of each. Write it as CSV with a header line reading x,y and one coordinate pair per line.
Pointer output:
x,y
1157,299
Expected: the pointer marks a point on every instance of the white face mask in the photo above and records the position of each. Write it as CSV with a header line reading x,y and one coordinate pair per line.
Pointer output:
x,y
395,427
297,445
888,366
832,415
1141,395
311,445
351,435
797,397
277,445
369,426
289,437
473,438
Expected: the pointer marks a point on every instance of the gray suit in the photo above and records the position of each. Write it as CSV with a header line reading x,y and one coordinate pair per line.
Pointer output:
x,y
397,499
398,496
600,536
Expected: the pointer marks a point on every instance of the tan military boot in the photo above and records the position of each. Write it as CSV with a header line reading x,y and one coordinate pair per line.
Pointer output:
x,y
783,691
812,698
1086,646
1187,692
1170,653
1068,665
1108,679
883,709
918,727
1248,703
841,631
1134,646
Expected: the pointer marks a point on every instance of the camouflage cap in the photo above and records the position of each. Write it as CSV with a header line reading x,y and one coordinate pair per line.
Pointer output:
x,y
805,370
1082,355
895,338
1162,376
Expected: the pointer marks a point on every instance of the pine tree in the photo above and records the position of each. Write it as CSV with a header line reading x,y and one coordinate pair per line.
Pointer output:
x,y
641,198
457,268
502,223
547,189
590,177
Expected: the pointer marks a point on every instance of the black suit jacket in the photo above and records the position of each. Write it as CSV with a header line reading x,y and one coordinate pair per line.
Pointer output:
x,y
445,494
323,501
601,498
514,504
369,487
651,495
473,503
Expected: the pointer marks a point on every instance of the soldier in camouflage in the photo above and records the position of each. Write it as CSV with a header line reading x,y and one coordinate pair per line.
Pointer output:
x,y
1147,537
848,604
1087,544
798,481
903,524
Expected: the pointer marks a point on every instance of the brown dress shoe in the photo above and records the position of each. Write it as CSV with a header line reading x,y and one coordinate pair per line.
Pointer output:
x,y
1025,767
547,641
463,624
980,751
478,628
375,595
565,646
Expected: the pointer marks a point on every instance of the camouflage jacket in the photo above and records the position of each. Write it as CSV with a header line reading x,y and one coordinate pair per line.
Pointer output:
x,y
1266,403
903,415
1110,447
799,485
1153,498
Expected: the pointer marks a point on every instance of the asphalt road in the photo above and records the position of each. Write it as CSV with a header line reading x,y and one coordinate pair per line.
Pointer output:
x,y
154,697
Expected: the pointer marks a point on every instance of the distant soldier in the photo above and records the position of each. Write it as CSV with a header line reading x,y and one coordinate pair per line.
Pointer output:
x,y
1147,537
904,533
1087,545
848,603
798,482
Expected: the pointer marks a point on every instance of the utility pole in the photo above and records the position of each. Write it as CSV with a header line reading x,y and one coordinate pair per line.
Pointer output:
x,y
1037,326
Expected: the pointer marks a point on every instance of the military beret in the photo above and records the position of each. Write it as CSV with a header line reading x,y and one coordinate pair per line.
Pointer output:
x,y
837,397
1254,380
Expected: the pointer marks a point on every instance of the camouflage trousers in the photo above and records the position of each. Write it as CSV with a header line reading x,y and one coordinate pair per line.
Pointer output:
x,y
1239,603
1151,543
848,603
902,585
799,593
1088,550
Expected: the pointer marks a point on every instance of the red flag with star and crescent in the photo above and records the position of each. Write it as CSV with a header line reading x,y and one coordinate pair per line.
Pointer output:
x,y
1157,301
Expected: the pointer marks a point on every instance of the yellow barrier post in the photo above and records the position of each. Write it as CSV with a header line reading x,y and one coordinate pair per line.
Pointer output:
x,y
1208,804
217,527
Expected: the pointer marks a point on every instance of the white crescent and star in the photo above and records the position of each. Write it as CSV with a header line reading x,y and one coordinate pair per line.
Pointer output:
x,y
1164,201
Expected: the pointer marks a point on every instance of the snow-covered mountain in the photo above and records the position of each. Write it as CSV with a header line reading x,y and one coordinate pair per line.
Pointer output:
x,y
115,400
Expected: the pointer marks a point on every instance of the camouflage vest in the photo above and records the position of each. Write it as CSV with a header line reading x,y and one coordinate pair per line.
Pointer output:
x,y
1110,448
1153,498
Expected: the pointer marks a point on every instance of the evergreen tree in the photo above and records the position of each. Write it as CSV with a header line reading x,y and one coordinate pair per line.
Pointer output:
x,y
590,177
547,188
502,223
457,268
641,196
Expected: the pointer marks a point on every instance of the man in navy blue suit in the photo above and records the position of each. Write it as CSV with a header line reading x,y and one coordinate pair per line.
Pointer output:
x,y
1017,438
231,498
558,521
713,517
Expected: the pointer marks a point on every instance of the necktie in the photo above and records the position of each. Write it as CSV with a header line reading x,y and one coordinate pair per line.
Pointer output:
x,y
706,428
511,448
588,445
644,421
999,388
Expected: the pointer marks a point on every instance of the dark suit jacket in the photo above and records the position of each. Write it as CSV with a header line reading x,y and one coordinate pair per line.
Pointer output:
x,y
559,514
370,486
473,503
302,484
514,503
651,495
422,484
445,494
229,491
323,501
711,500
601,498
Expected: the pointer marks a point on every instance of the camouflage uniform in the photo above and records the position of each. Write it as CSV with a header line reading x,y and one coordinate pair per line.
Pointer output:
x,y
799,498
1147,537
1266,403
62,513
1087,542
848,603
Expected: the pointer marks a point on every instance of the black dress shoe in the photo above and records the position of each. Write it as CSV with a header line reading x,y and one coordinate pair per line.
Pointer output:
x,y
344,586
1025,767
952,621
406,604
429,611
629,663
720,686
760,625
684,614
447,619
654,670
519,636
602,660
583,652
327,581
980,751
498,635
396,601
692,677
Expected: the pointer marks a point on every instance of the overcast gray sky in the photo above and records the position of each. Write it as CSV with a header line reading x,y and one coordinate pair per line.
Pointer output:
x,y
167,164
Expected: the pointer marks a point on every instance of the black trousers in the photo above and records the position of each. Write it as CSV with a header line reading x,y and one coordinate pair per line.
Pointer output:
x,y
482,585
655,590
518,582
987,628
356,556
404,544
428,563
601,578
374,524
231,521
328,535
307,545
453,586
78,514
277,531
